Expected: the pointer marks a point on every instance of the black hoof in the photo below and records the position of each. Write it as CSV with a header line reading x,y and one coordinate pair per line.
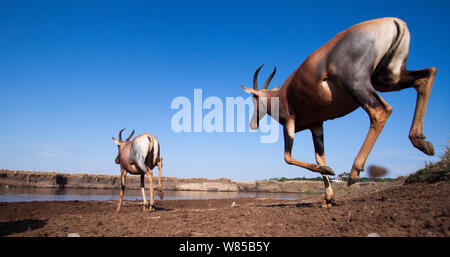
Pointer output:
x,y
428,148
326,170
331,203
424,146
352,181
328,203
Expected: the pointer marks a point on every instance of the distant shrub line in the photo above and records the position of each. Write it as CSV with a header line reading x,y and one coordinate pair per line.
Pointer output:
x,y
363,179
431,173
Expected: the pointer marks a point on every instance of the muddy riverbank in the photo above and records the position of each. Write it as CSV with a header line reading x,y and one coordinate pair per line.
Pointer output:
x,y
403,210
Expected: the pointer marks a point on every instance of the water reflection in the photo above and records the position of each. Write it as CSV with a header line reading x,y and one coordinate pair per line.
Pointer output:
x,y
60,191
24,194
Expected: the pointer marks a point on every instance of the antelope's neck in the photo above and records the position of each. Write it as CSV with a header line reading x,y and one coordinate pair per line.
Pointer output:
x,y
274,105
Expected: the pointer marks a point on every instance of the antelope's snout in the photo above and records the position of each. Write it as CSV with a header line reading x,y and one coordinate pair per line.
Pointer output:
x,y
254,124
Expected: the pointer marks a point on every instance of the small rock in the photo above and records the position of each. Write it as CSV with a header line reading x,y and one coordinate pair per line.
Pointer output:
x,y
234,205
73,235
373,235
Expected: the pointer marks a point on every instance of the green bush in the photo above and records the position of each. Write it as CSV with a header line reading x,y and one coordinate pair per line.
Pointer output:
x,y
432,172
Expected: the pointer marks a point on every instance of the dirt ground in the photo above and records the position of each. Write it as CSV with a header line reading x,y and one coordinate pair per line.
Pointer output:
x,y
402,210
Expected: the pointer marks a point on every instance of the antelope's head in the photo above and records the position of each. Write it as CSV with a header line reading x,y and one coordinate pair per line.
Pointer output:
x,y
260,97
121,143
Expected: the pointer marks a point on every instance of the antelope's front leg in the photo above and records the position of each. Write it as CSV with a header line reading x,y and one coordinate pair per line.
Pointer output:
x,y
123,181
319,148
160,191
152,199
289,131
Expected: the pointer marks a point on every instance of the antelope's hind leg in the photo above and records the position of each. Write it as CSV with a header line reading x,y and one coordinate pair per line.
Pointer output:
x,y
143,191
152,197
422,81
319,148
140,163
160,190
379,111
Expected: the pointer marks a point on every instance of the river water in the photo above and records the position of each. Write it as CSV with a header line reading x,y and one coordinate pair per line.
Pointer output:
x,y
25,194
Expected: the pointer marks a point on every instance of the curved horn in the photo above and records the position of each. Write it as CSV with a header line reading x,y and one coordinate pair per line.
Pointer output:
x,y
255,77
128,138
120,135
269,78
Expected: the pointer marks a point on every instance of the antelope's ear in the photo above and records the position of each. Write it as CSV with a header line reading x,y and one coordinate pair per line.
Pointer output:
x,y
250,90
115,141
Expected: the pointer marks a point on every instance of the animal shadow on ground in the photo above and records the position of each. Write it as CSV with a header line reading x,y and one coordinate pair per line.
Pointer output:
x,y
20,226
157,208
296,205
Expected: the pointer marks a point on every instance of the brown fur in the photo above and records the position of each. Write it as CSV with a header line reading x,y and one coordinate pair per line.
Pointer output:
x,y
341,76
139,164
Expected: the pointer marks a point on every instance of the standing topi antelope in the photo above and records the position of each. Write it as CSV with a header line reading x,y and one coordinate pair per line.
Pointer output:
x,y
339,77
138,157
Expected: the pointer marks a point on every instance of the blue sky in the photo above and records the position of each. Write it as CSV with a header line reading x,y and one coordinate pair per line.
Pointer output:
x,y
73,73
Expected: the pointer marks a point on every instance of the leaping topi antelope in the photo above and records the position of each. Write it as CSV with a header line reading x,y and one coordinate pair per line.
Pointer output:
x,y
138,157
339,77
